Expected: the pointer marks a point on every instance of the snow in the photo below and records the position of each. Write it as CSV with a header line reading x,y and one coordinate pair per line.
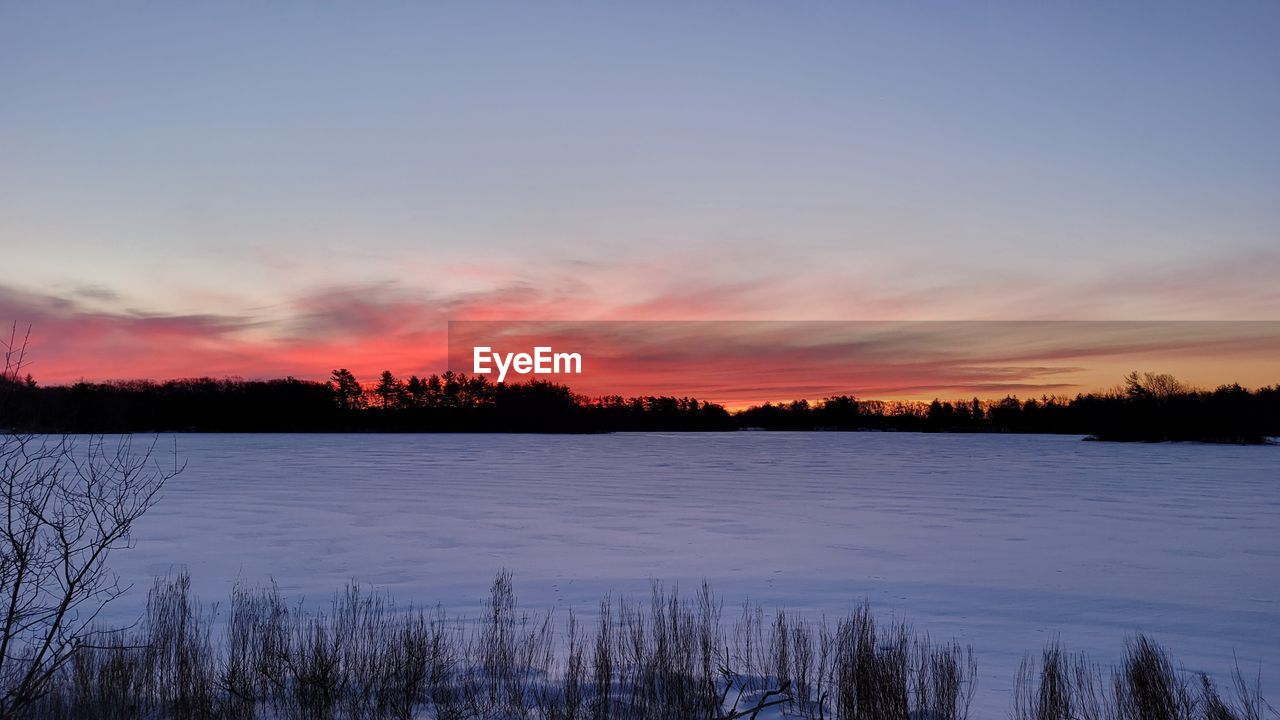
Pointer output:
x,y
998,541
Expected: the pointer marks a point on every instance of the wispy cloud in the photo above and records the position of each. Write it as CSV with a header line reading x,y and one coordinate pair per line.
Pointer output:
x,y
743,362
94,332
96,292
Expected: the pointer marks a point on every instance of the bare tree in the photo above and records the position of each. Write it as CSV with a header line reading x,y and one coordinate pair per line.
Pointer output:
x,y
13,358
67,504
1159,386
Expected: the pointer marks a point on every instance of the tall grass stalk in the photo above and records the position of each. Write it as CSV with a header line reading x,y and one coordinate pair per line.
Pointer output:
x,y
669,657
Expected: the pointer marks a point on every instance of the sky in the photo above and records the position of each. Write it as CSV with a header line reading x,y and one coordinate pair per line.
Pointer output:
x,y
743,363
260,190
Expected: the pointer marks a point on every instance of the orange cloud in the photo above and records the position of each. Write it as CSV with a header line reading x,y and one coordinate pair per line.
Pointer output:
x,y
89,332
743,362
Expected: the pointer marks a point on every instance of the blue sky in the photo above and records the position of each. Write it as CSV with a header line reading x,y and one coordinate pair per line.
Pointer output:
x,y
233,168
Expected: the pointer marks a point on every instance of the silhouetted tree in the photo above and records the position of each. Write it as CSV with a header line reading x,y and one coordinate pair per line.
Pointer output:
x,y
1154,385
65,504
390,391
1146,407
417,391
347,390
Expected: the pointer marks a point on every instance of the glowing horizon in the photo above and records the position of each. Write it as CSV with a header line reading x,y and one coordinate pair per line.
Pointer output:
x,y
241,190
743,363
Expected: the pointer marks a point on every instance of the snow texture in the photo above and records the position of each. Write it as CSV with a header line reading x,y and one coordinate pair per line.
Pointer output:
x,y
998,541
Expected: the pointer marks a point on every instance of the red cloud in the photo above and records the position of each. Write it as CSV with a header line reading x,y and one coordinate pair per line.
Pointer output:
x,y
376,326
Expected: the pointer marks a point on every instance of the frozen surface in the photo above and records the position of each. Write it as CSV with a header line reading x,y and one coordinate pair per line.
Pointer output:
x,y
998,541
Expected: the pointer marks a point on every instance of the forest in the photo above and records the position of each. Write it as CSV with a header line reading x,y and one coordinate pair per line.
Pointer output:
x,y
1143,407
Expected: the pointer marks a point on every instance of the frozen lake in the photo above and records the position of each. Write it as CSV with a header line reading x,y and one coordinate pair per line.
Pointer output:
x,y
998,541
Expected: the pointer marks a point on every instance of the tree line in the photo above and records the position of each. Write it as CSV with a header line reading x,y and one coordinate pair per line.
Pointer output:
x,y
1145,406
449,402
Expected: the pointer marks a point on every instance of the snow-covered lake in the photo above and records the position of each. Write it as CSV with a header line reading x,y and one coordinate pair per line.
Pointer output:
x,y
998,541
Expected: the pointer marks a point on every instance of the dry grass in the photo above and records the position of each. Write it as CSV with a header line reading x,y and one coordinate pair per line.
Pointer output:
x,y
670,657
1145,686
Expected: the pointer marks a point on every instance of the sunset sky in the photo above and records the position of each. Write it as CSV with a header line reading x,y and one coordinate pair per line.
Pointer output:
x,y
268,189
